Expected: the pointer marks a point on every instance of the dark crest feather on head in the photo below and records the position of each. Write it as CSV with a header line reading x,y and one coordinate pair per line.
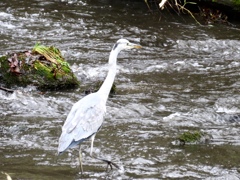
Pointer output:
x,y
115,46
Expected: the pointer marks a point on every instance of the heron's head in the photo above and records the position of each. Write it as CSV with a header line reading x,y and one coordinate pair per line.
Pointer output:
x,y
125,44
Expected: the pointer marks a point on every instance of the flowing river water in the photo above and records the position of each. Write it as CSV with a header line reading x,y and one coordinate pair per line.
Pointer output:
x,y
185,78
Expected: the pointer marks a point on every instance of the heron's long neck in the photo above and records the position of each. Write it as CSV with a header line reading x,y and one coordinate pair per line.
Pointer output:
x,y
107,84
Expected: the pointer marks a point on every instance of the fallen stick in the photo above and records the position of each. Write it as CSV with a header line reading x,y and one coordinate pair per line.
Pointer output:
x,y
6,89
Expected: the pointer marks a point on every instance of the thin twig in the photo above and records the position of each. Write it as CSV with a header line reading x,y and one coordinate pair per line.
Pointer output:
x,y
146,1
6,89
182,9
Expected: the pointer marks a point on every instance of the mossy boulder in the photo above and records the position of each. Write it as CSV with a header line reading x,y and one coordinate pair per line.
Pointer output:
x,y
190,137
193,137
43,67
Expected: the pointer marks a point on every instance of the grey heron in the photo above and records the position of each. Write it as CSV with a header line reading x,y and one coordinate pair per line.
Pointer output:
x,y
86,116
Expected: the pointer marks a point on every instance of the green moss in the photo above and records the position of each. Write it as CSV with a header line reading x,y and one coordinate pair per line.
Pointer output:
x,y
3,63
43,70
51,54
190,137
53,77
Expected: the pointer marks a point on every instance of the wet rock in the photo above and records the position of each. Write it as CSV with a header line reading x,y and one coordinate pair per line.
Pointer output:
x,y
195,137
43,67
97,86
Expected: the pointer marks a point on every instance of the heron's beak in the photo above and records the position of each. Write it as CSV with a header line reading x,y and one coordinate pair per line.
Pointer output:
x,y
136,46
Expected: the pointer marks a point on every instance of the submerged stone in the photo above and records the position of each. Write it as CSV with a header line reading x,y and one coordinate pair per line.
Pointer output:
x,y
195,137
97,86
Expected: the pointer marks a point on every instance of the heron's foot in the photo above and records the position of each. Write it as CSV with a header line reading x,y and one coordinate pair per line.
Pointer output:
x,y
109,163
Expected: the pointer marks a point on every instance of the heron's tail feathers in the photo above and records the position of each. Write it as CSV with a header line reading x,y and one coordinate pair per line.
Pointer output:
x,y
64,142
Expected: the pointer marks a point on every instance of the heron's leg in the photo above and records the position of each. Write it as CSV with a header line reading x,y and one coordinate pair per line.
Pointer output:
x,y
92,140
109,163
80,159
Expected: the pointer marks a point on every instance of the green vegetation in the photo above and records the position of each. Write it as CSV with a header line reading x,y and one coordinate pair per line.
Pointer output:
x,y
236,2
190,137
206,12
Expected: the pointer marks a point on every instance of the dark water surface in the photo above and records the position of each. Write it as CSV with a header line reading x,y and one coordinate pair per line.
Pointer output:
x,y
186,77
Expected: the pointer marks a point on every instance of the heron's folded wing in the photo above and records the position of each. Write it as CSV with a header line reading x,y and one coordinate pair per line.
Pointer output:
x,y
90,123
85,117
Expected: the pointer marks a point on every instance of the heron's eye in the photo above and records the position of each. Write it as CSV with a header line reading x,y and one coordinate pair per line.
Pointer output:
x,y
127,44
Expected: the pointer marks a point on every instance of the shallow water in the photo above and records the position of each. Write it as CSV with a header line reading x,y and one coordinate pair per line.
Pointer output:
x,y
185,77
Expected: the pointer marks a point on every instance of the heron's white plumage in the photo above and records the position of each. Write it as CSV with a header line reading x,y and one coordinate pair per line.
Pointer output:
x,y
86,116
84,120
